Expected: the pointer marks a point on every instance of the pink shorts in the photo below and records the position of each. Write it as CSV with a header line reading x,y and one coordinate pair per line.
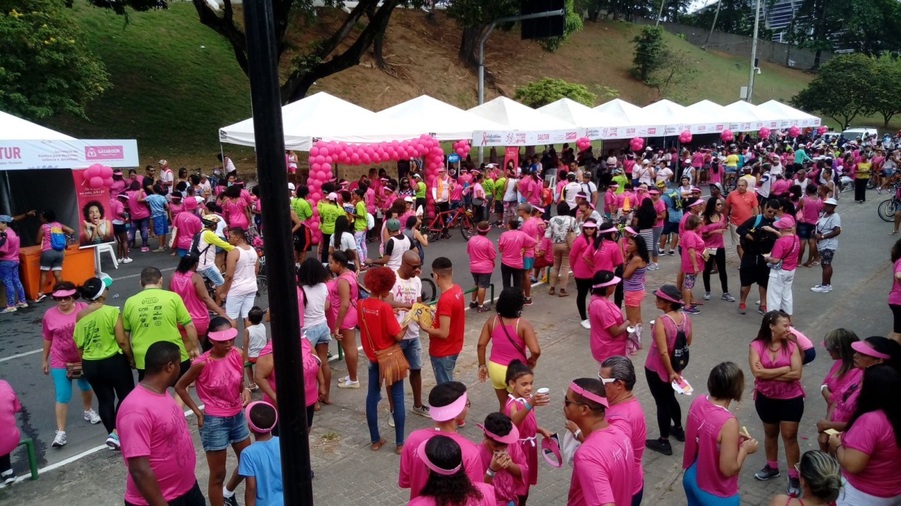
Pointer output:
x,y
633,299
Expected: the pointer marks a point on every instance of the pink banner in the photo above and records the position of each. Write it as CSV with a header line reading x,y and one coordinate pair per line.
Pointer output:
x,y
95,224
511,153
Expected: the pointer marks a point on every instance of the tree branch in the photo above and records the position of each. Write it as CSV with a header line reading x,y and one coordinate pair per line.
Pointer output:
x,y
226,27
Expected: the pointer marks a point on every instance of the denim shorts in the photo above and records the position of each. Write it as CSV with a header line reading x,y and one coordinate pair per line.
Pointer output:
x,y
220,431
212,273
318,334
413,351
160,225
444,368
805,230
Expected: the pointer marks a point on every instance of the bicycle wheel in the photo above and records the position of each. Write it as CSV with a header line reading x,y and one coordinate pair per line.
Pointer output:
x,y
429,290
886,209
466,229
871,183
434,235
262,285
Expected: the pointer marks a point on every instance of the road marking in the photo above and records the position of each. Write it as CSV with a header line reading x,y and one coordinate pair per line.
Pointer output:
x,y
20,355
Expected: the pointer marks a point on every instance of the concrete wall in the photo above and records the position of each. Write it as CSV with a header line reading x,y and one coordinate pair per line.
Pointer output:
x,y
773,52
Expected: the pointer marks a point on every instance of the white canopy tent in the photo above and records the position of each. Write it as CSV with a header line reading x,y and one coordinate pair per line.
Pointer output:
x,y
522,125
714,117
445,122
746,117
671,115
323,116
622,120
14,128
794,116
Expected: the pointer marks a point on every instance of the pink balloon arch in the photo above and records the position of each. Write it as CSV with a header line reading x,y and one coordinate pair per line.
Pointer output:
x,y
98,176
685,137
325,153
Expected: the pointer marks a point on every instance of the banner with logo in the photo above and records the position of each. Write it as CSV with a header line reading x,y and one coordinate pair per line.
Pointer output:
x,y
63,154
511,153
516,138
95,221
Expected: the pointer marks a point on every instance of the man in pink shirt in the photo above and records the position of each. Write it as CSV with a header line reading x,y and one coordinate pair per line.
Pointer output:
x,y
449,406
603,467
482,257
156,443
785,252
533,226
618,375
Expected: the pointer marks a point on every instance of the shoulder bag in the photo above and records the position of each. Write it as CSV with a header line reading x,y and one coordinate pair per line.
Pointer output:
x,y
393,365
522,352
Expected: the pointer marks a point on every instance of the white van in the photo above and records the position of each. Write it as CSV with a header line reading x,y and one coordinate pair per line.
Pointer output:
x,y
852,134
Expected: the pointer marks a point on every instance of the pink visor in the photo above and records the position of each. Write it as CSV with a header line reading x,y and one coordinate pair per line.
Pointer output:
x,y
607,230
550,448
223,335
259,430
864,348
62,294
589,395
699,202
589,224
659,293
449,412
509,439
612,282
631,231
420,451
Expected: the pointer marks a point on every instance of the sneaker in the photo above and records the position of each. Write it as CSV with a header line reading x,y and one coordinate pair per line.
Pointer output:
x,y
40,297
761,309
60,439
693,309
113,441
727,297
349,384
672,252
22,305
742,309
473,305
794,487
391,419
343,380
659,445
483,309
818,289
144,249
706,295
422,411
528,301
126,260
767,473
91,416
828,288
678,433
230,501
661,252
7,477
586,324
653,266
9,309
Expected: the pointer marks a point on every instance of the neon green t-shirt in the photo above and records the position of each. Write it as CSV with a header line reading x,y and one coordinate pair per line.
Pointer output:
x,y
488,186
420,190
499,188
153,315
302,209
95,334
328,213
621,180
360,223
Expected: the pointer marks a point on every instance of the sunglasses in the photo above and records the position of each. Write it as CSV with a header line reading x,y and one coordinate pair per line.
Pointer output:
x,y
567,402
415,267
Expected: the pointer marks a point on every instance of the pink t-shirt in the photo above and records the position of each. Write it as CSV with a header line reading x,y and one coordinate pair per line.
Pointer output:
x,y
602,469
811,210
188,225
771,388
690,240
845,397
780,187
526,187
839,385
787,248
58,329
608,257
534,228
714,240
9,406
117,211
46,228
653,362
505,343
659,208
631,417
182,283
873,434
334,297
234,213
137,210
705,421
506,486
486,500
220,383
603,314
581,258
481,254
152,425
528,430
894,296
628,165
610,201
311,364
9,252
413,472
512,245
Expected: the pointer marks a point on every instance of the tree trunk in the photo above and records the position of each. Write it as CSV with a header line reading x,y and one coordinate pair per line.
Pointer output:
x,y
469,46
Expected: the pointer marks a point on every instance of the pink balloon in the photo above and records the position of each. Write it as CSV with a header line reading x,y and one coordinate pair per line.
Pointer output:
x,y
314,151
107,181
96,182
316,167
327,167
727,135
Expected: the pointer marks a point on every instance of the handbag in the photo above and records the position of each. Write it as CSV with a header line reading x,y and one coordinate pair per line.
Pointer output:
x,y
173,234
393,365
478,202
73,370
507,333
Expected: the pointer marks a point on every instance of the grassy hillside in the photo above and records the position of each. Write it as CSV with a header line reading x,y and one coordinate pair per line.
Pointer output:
x,y
176,82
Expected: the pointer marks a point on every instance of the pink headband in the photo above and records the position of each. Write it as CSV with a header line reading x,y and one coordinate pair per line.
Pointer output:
x,y
664,296
589,224
607,230
613,281
253,427
589,395
864,348
509,439
631,231
449,412
434,467
59,294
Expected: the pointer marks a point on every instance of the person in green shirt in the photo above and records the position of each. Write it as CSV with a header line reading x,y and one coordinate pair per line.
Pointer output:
x,y
154,314
303,235
361,222
499,186
488,186
106,357
620,179
328,213
419,191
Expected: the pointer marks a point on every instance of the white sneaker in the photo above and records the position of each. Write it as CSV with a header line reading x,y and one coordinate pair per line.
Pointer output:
x,y
7,477
391,419
821,289
653,266
586,324
91,416
828,288
60,439
706,295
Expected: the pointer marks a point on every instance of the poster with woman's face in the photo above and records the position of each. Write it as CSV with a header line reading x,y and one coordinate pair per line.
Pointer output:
x,y
95,224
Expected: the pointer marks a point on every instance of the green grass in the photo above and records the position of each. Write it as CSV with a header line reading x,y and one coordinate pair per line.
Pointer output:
x,y
175,82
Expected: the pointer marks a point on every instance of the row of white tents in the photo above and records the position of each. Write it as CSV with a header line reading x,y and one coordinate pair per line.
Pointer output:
x,y
504,122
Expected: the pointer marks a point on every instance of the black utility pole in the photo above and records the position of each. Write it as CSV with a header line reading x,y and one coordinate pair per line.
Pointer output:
x,y
262,60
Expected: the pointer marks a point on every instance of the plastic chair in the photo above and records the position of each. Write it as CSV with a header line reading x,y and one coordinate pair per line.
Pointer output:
x,y
106,248
32,456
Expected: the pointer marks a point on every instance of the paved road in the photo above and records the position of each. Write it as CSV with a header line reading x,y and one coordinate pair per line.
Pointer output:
x,y
348,473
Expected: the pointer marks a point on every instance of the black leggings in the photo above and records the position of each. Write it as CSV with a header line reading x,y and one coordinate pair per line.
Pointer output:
x,y
667,406
323,247
720,259
619,294
507,273
110,378
583,287
5,463
860,189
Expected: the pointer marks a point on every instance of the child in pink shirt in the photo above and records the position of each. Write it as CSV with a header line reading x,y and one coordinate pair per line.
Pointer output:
x,y
505,464
692,260
520,408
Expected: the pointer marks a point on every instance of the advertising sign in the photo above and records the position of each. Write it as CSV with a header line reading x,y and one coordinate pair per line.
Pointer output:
x,y
95,225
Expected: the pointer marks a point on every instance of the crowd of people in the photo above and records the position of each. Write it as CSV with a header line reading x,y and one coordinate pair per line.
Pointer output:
x,y
606,220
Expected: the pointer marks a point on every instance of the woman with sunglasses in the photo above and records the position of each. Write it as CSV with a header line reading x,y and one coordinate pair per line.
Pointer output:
x,y
713,229
842,374
581,259
60,356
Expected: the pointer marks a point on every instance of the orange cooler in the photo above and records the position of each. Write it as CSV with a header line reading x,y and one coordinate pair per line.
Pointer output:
x,y
78,267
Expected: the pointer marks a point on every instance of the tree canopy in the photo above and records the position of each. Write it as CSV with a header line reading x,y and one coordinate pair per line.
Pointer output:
x,y
843,90
45,68
540,93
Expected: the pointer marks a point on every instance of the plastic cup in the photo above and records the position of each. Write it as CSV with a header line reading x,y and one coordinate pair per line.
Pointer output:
x,y
544,391
630,329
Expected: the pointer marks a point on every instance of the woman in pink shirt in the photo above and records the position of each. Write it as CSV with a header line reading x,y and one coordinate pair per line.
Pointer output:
x,y
190,287
775,362
218,376
447,481
894,296
841,374
713,230
59,352
481,264
512,246
581,259
608,327
692,259
9,266
343,294
139,214
870,448
9,433
715,448
810,207
120,228
235,208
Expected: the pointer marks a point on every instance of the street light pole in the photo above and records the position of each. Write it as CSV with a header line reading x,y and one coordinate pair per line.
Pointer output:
x,y
753,52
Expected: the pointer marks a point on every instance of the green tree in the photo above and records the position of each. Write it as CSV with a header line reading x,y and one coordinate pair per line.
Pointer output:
x,y
540,93
649,55
476,17
572,25
842,90
45,68
884,95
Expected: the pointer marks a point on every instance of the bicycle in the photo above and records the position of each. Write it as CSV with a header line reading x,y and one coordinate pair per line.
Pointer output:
x,y
887,208
461,217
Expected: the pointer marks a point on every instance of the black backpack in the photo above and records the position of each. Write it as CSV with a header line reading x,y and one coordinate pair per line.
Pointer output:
x,y
679,355
195,245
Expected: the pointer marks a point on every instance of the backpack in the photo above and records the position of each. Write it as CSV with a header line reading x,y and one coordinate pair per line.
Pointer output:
x,y
195,245
57,238
679,355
